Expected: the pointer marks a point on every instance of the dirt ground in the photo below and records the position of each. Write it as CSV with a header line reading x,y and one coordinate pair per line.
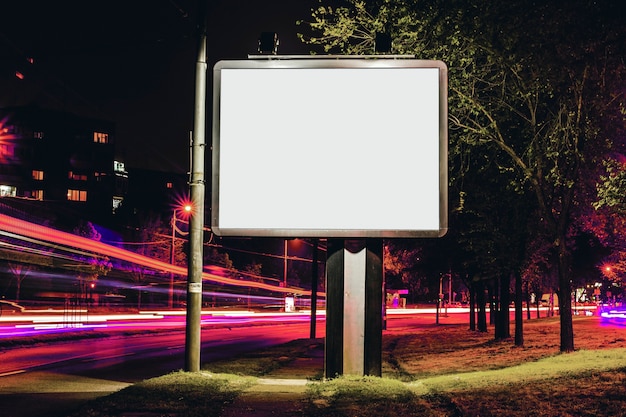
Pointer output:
x,y
456,349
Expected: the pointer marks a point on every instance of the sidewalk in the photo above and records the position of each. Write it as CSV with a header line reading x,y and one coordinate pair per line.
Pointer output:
x,y
282,393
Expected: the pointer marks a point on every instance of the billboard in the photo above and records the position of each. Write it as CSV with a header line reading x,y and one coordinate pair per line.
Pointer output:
x,y
324,147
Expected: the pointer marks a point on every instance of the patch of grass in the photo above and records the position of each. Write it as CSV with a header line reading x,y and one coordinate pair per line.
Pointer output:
x,y
361,389
198,394
367,396
572,364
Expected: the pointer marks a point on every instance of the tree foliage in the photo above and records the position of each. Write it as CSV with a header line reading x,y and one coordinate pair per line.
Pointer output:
x,y
534,87
93,266
399,263
612,187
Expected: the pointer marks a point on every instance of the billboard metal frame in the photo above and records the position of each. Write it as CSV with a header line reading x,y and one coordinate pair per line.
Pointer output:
x,y
332,62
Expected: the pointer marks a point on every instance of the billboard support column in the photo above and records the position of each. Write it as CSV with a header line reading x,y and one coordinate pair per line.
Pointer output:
x,y
354,279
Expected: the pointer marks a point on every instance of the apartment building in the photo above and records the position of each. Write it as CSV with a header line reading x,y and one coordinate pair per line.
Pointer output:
x,y
62,160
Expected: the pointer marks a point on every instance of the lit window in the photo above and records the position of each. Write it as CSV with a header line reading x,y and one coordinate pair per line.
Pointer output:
x,y
117,203
8,191
77,195
99,137
169,185
37,194
37,175
38,135
77,177
119,166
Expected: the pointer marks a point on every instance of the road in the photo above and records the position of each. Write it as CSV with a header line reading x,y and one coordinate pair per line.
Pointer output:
x,y
49,380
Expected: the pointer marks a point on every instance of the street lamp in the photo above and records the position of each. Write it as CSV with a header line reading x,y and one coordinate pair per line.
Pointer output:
x,y
285,259
285,266
186,209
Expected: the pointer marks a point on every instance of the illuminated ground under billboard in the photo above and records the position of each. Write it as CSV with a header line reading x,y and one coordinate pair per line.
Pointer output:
x,y
329,148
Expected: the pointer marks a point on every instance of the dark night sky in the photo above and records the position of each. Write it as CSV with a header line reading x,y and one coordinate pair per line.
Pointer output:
x,y
132,62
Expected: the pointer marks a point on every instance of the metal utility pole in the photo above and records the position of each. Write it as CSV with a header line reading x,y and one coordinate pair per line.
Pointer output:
x,y
170,302
285,266
196,221
314,282
450,287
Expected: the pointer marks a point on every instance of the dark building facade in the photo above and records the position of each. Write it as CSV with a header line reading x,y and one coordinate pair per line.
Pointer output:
x,y
63,160
65,164
61,171
153,193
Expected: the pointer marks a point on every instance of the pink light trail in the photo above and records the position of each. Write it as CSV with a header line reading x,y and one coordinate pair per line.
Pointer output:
x,y
34,231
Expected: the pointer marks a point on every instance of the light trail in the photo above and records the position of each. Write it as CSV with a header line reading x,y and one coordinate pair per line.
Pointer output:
x,y
33,231
614,314
30,324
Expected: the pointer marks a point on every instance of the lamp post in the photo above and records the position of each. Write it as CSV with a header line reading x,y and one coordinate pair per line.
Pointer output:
x,y
314,279
439,298
196,186
187,209
285,266
170,302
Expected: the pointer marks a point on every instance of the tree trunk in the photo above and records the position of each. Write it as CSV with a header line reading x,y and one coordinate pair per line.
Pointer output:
x,y
537,302
18,290
480,299
494,308
505,302
503,330
491,291
472,303
519,310
527,295
565,298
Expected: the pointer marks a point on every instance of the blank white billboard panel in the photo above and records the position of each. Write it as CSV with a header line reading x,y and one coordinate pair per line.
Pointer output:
x,y
330,148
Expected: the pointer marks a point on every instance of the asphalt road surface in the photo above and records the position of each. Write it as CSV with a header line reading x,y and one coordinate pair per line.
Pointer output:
x,y
53,379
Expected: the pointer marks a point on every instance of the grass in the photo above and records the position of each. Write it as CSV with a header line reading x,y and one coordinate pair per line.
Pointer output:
x,y
585,383
437,371
200,394
556,367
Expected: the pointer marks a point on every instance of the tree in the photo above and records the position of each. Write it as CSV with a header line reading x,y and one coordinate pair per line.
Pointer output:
x,y
607,224
90,267
400,259
608,220
529,83
158,239
24,256
214,257
553,115
20,271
